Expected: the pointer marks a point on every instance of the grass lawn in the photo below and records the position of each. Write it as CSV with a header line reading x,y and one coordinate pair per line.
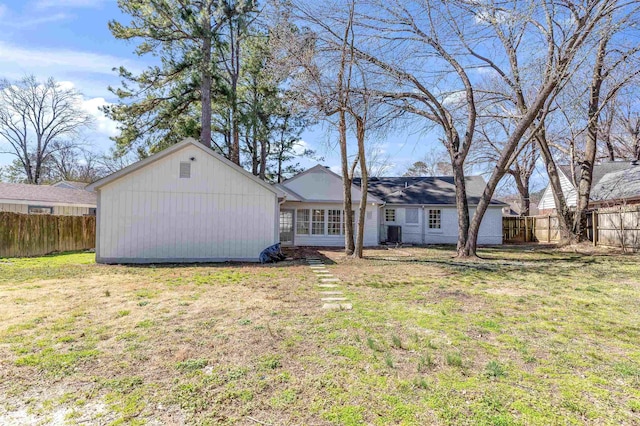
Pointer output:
x,y
526,336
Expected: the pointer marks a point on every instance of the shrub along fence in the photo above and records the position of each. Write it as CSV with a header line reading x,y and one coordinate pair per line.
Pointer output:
x,y
37,235
610,227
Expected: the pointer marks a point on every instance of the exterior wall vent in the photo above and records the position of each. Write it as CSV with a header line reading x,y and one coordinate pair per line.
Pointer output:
x,y
185,170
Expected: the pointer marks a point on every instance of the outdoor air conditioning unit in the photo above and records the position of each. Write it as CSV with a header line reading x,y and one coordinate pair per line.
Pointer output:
x,y
394,234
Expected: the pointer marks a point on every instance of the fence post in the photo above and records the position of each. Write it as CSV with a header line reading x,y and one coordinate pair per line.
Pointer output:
x,y
548,229
526,229
594,227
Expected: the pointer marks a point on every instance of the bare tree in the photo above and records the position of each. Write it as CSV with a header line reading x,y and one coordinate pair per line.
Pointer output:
x,y
433,163
34,116
565,29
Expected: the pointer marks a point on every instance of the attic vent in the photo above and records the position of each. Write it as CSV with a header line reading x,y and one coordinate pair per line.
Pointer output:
x,y
185,170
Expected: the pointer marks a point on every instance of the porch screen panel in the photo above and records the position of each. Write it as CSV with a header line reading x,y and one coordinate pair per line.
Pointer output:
x,y
302,222
317,223
333,222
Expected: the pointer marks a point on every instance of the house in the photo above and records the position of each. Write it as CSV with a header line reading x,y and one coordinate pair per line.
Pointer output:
x,y
189,204
70,184
184,204
514,206
613,183
46,199
312,213
417,210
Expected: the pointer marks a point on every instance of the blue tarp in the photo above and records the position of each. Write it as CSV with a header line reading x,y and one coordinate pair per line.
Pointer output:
x,y
272,254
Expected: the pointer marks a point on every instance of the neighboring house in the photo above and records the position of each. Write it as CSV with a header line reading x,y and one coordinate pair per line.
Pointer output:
x,y
418,210
514,206
612,184
46,199
70,184
184,204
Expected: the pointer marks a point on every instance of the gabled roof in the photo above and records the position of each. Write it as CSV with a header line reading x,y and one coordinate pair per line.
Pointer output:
x,y
70,184
373,198
168,151
20,193
618,185
425,190
599,170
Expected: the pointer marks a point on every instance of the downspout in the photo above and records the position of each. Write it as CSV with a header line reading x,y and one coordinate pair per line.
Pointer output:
x,y
423,225
381,221
280,203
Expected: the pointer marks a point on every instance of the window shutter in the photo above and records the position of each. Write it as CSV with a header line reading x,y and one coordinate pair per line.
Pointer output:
x,y
185,170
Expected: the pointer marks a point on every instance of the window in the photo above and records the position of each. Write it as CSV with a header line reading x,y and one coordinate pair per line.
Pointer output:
x,y
302,222
390,215
434,219
40,210
92,212
344,219
185,170
333,222
317,222
411,215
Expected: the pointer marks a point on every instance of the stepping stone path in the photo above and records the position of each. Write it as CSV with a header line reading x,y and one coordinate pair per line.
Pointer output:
x,y
332,296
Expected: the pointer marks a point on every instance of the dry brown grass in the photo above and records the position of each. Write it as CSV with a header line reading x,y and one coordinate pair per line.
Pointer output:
x,y
525,336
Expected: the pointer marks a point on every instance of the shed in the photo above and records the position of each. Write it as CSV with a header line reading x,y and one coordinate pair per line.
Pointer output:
x,y
184,204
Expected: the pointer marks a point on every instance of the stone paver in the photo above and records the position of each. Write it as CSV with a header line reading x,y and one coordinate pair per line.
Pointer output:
x,y
326,282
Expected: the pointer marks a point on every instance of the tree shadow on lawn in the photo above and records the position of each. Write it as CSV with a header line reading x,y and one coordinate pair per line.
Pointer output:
x,y
493,259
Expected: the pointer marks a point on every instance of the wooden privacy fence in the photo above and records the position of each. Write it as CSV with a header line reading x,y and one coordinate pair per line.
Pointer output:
x,y
612,227
37,235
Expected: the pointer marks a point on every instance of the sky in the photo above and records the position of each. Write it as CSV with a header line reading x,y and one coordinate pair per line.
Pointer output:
x,y
69,40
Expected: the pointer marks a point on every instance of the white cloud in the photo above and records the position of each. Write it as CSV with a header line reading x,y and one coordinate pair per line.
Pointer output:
x,y
300,147
103,124
14,57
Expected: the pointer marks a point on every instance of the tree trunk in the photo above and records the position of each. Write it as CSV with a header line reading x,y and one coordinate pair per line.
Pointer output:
x,y
503,164
522,183
586,165
562,209
364,176
462,204
349,245
205,86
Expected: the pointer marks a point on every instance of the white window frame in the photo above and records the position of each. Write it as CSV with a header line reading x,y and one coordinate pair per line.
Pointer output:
x,y
386,215
435,218
338,230
30,208
322,223
415,210
301,221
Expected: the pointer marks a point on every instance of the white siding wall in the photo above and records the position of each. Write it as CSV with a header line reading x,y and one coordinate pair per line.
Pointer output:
x,y
153,215
547,202
490,228
370,233
57,210
14,208
319,185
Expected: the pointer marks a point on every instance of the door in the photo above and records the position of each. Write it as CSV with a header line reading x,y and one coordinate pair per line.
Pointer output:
x,y
286,227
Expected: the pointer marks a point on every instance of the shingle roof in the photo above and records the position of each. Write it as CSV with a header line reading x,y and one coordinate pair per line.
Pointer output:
x,y
599,170
46,194
618,185
424,190
70,184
